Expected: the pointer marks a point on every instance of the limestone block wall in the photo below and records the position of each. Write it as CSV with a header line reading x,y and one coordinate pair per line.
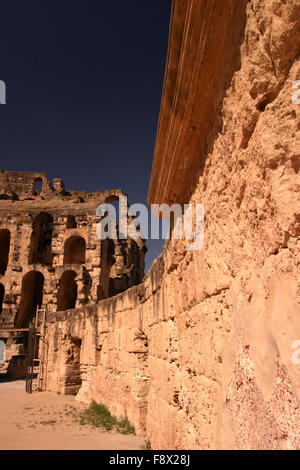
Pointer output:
x,y
185,369
199,356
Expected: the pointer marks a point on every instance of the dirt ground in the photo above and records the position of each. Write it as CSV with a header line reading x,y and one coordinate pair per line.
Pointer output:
x,y
45,421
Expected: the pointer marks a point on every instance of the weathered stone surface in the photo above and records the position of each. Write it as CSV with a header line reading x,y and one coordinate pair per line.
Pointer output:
x,y
200,355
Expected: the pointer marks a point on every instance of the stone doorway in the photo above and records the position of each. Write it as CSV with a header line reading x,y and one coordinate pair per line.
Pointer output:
x,y
73,379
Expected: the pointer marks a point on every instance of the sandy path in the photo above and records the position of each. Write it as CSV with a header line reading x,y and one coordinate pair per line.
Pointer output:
x,y
45,420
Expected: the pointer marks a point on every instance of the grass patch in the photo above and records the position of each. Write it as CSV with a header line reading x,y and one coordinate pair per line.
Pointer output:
x,y
99,416
146,445
124,426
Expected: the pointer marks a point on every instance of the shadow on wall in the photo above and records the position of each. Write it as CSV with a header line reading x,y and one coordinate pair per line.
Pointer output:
x,y
2,292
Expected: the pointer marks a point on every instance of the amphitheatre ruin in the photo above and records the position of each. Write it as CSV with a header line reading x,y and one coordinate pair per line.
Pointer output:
x,y
198,353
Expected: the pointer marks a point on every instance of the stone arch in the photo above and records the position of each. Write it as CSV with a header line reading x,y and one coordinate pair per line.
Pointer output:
x,y
137,262
37,185
67,293
31,297
2,292
71,222
114,201
4,250
74,250
2,352
41,239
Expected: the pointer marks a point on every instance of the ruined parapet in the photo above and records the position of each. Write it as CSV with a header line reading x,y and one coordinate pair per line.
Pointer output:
x,y
20,184
25,185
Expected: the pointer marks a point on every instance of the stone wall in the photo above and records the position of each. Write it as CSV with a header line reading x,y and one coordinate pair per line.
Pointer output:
x,y
199,356
176,356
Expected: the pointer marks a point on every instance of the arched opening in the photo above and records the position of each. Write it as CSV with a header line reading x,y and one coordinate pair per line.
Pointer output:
x,y
31,298
41,239
67,294
4,250
2,352
107,261
74,251
37,186
71,222
2,292
137,261
114,202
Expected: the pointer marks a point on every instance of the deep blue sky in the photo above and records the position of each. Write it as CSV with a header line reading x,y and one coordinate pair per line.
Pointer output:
x,y
84,83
